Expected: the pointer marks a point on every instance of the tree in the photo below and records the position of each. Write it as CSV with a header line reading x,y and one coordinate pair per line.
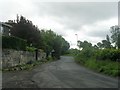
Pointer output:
x,y
84,45
105,43
95,47
115,31
65,46
48,37
43,39
100,45
73,51
107,38
57,46
54,42
26,30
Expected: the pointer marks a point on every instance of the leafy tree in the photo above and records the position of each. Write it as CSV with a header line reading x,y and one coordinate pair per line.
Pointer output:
x,y
105,43
48,38
84,45
54,42
57,46
100,45
43,39
73,51
107,38
95,47
65,46
115,31
26,30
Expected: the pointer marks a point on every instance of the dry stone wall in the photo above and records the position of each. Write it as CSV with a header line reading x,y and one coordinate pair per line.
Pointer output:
x,y
12,58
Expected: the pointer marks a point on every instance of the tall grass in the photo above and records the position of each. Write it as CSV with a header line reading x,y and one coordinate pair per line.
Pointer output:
x,y
107,66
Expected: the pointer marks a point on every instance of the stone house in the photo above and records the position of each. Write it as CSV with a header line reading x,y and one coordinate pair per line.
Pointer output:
x,y
5,29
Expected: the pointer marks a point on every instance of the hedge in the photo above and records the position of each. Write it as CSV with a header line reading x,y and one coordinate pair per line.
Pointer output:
x,y
108,54
30,49
11,42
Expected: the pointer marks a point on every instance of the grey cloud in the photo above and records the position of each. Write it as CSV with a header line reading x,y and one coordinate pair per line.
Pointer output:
x,y
71,15
99,33
75,14
119,13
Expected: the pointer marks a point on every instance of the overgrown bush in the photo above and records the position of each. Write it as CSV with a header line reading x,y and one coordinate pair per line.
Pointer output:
x,y
100,60
11,42
30,49
79,59
84,55
107,67
73,52
108,54
88,53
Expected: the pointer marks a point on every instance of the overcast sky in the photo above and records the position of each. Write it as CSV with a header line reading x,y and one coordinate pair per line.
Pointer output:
x,y
91,21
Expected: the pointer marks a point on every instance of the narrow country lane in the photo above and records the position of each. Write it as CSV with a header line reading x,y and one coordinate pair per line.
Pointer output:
x,y
63,73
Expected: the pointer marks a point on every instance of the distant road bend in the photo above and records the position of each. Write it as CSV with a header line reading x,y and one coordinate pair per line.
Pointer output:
x,y
63,73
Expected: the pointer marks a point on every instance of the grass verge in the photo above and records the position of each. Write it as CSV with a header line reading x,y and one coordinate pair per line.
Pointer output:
x,y
107,67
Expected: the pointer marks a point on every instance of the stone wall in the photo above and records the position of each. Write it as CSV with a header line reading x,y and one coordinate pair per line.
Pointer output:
x,y
13,57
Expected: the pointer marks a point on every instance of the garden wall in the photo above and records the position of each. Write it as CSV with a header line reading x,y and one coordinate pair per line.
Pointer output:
x,y
12,57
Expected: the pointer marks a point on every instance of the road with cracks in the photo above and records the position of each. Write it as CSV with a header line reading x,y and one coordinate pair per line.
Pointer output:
x,y
63,73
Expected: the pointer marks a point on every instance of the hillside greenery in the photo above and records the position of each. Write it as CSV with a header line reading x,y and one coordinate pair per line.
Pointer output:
x,y
35,38
103,57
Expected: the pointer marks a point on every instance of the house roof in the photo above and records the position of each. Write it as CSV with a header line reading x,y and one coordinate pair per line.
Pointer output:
x,y
4,24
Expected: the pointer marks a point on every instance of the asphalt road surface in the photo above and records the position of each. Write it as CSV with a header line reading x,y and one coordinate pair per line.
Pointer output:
x,y
63,73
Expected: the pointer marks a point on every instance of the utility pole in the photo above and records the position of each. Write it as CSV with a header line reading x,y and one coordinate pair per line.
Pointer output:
x,y
77,38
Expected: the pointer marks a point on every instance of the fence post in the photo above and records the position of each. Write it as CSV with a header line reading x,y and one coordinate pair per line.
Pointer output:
x,y
36,54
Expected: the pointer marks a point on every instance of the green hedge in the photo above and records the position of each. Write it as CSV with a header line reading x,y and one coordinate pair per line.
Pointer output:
x,y
11,42
103,61
107,67
108,54
30,49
